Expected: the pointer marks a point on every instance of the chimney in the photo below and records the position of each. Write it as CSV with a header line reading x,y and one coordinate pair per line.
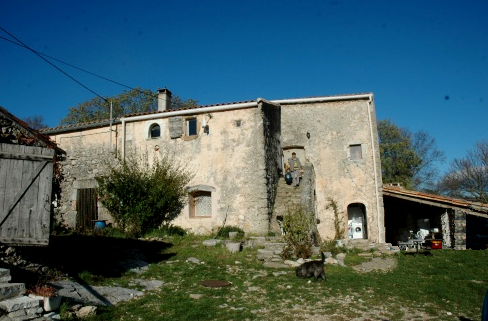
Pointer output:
x,y
164,99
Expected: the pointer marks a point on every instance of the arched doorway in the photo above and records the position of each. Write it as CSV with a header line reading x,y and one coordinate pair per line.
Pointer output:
x,y
356,221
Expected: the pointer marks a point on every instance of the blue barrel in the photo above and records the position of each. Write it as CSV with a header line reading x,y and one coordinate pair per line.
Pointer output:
x,y
288,178
100,225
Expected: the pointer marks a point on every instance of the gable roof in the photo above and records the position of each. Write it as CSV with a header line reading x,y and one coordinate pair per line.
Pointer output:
x,y
15,131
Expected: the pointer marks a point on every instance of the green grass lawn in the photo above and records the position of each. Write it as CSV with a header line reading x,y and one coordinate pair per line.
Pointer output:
x,y
448,285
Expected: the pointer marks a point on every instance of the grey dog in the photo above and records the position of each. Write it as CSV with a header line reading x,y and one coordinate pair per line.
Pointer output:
x,y
312,268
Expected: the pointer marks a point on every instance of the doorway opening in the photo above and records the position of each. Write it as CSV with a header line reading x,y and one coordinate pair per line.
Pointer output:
x,y
356,221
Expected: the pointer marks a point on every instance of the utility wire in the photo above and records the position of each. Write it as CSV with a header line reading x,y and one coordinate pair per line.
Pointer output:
x,y
66,63
20,44
59,69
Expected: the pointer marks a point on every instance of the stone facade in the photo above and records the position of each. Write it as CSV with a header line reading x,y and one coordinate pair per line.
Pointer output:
x,y
238,153
325,131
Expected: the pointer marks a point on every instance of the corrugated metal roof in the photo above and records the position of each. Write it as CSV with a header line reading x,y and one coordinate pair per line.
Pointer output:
x,y
433,199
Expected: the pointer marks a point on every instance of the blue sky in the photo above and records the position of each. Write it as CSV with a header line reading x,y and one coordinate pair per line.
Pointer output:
x,y
426,62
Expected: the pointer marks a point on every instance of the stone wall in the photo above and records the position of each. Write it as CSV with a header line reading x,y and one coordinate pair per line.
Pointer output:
x,y
230,161
83,162
459,230
333,126
239,160
308,188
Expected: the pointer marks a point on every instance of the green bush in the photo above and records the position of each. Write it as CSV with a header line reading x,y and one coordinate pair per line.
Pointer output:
x,y
110,231
331,246
223,233
141,196
299,229
340,230
166,230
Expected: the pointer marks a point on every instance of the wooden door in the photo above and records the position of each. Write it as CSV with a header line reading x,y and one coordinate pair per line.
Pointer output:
x,y
26,174
86,207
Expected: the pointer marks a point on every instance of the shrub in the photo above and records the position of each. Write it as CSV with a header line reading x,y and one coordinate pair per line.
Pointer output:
x,y
170,229
223,232
331,246
298,226
340,231
44,290
166,230
141,196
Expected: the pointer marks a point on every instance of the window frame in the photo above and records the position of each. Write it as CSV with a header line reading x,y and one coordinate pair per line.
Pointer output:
x,y
186,121
353,150
151,127
192,206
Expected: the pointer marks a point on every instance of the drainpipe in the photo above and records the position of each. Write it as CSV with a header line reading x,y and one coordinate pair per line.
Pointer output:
x,y
123,138
110,148
380,237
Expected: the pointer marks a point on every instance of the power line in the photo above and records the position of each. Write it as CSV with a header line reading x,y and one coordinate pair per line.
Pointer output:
x,y
66,63
59,69
42,55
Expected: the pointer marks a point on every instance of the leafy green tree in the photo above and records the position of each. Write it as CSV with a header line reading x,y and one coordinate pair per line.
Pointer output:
x,y
399,161
467,177
128,102
141,195
409,159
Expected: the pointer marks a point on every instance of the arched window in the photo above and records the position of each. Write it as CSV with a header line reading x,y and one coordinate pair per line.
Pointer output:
x,y
154,131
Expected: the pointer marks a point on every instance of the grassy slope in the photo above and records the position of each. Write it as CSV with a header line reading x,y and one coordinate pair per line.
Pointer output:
x,y
450,285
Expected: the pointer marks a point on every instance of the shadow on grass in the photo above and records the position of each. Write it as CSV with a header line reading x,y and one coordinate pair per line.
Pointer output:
x,y
421,252
98,255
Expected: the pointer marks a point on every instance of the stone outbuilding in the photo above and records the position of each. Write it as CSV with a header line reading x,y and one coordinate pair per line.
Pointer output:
x,y
458,223
238,152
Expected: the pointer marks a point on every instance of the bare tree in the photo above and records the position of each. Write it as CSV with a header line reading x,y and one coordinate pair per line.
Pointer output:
x,y
468,176
35,122
427,174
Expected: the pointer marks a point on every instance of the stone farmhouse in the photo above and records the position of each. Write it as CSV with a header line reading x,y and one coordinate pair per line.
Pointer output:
x,y
238,152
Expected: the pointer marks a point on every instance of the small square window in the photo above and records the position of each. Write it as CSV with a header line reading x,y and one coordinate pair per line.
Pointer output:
x,y
355,152
191,127
200,204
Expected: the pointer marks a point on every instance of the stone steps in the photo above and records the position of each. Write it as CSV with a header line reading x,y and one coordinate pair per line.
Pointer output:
x,y
13,302
286,196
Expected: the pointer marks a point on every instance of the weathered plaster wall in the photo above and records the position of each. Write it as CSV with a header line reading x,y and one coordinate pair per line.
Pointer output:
x,y
231,160
333,127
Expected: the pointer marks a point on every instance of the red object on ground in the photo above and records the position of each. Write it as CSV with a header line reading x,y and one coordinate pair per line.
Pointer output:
x,y
435,244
